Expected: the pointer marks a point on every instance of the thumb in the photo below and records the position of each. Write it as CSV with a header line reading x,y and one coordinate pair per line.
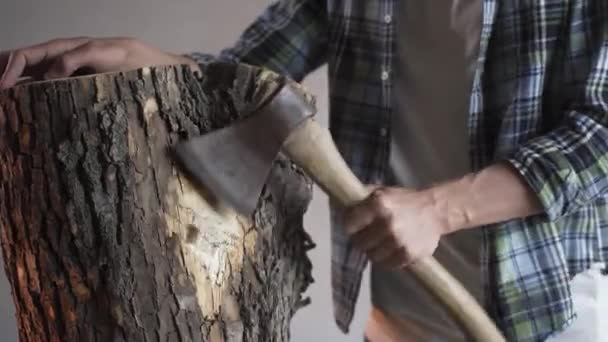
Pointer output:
x,y
372,187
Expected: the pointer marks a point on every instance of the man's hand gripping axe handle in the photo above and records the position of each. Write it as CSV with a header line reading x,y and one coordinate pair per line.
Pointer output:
x,y
311,147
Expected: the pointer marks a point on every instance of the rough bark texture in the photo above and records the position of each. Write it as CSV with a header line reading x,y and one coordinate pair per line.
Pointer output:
x,y
104,240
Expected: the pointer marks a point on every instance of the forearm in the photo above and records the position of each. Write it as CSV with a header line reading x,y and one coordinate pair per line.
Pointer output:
x,y
495,194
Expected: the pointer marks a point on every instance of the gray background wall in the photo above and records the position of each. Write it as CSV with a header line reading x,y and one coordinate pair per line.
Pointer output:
x,y
179,26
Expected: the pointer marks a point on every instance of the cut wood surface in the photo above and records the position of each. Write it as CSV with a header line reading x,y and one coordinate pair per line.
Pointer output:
x,y
104,239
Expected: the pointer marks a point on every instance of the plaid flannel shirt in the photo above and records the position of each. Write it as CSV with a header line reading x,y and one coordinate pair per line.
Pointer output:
x,y
539,101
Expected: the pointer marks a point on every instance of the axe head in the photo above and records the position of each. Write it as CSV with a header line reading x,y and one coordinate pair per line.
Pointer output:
x,y
234,162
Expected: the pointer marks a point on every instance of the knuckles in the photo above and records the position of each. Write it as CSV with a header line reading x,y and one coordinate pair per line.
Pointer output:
x,y
381,203
407,244
65,64
129,43
93,44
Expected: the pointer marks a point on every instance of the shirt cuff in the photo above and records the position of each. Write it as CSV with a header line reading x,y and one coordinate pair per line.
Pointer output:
x,y
556,172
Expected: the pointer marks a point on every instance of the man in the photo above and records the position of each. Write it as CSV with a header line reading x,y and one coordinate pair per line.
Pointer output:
x,y
488,117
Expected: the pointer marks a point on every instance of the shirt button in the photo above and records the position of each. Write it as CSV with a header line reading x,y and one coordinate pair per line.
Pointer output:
x,y
388,18
384,75
383,131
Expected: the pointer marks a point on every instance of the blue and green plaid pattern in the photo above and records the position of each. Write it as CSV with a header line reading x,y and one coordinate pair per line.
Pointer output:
x,y
539,101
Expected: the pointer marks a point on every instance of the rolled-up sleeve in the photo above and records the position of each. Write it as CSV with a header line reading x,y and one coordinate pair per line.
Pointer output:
x,y
568,166
289,37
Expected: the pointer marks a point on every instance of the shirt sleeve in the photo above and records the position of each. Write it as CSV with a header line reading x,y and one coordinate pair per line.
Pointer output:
x,y
289,37
568,166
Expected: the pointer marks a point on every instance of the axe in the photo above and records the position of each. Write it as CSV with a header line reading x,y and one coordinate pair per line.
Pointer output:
x,y
233,164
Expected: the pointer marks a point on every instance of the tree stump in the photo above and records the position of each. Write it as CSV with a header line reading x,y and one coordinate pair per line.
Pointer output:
x,y
104,239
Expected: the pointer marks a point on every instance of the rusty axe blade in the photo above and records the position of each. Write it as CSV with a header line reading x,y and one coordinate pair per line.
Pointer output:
x,y
234,162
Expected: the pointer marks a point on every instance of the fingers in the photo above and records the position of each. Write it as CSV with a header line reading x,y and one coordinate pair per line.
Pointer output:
x,y
398,259
357,218
95,55
389,254
391,228
371,236
373,228
369,224
22,62
374,207
382,251
378,243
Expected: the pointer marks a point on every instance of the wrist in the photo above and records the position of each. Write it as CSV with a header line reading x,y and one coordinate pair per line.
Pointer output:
x,y
450,203
494,194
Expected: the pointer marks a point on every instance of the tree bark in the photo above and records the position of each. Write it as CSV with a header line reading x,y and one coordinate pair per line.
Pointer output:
x,y
104,239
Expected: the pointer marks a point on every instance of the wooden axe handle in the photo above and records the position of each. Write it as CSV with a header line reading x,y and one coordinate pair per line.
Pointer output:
x,y
312,148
